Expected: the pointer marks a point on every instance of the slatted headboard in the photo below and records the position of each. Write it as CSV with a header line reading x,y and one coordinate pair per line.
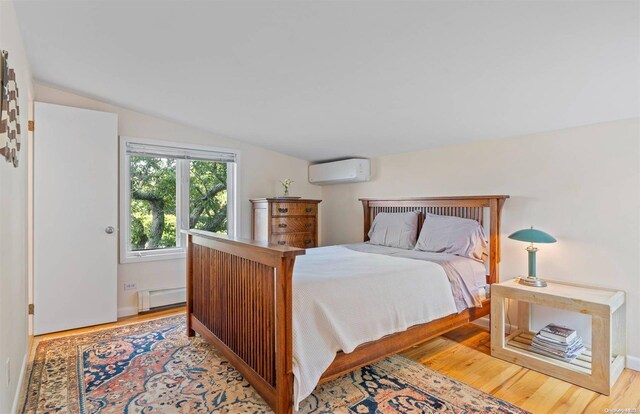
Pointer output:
x,y
471,207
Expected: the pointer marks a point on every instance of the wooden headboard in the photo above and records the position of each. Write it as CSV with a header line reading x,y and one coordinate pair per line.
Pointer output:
x,y
471,207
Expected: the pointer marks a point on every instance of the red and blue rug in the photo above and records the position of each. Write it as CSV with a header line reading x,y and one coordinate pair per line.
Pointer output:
x,y
153,367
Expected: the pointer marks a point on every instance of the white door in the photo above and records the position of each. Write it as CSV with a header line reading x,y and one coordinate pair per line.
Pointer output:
x,y
75,181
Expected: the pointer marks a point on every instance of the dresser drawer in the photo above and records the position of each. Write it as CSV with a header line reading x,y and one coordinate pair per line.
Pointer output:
x,y
302,240
294,209
293,225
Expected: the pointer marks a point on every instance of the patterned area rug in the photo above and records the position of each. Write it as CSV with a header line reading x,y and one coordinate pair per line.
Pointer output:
x,y
152,367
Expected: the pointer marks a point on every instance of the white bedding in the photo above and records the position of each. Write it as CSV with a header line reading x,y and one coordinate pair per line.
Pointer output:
x,y
343,298
467,276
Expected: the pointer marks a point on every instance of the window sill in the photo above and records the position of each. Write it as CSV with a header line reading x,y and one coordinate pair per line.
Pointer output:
x,y
152,256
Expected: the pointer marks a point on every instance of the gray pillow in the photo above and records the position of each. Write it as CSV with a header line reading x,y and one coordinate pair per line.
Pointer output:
x,y
395,229
453,235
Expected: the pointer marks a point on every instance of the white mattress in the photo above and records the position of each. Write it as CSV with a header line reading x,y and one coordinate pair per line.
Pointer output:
x,y
343,298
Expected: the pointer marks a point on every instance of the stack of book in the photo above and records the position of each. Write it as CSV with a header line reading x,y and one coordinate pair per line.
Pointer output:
x,y
557,342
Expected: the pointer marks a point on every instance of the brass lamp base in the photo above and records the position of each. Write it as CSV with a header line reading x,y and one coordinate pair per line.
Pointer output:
x,y
532,281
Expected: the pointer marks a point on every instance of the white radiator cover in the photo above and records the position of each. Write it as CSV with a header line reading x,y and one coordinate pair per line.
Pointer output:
x,y
150,299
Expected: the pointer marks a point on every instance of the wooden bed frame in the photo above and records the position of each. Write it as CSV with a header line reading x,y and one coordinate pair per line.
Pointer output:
x,y
239,298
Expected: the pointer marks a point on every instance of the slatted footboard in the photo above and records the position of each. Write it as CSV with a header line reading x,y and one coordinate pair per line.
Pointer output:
x,y
239,299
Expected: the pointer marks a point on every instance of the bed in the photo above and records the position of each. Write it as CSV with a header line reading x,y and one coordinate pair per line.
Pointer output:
x,y
240,297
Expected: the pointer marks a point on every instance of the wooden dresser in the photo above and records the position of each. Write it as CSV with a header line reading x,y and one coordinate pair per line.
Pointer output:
x,y
290,222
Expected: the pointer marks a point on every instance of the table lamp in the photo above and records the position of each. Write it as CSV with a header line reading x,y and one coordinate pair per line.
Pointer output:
x,y
532,236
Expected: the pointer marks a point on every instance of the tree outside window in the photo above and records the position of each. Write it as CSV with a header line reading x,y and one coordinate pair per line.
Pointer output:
x,y
208,196
153,203
172,188
153,200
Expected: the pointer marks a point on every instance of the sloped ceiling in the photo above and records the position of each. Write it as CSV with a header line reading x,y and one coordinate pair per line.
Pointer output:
x,y
329,79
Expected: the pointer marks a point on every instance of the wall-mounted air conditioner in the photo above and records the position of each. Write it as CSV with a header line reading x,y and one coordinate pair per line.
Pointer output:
x,y
354,170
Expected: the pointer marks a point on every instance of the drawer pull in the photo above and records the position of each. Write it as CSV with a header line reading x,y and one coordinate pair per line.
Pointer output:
x,y
282,242
307,242
308,209
308,225
282,225
283,210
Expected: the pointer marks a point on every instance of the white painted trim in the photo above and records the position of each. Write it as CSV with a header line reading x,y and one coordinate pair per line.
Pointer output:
x,y
483,322
633,362
127,311
23,371
233,187
181,145
153,255
182,202
182,199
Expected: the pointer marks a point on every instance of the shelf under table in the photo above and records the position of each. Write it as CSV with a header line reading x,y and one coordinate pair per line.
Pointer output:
x,y
521,341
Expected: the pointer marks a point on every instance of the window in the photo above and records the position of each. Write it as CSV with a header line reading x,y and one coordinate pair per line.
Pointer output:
x,y
167,187
152,206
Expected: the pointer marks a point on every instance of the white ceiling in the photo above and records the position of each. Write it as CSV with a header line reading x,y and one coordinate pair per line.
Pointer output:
x,y
328,79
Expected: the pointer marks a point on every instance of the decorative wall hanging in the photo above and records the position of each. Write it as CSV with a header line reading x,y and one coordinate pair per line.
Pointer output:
x,y
10,112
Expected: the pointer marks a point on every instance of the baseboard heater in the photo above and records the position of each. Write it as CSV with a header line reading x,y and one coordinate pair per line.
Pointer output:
x,y
149,300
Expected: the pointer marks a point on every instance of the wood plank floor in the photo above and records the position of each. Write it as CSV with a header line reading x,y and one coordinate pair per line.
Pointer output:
x,y
464,354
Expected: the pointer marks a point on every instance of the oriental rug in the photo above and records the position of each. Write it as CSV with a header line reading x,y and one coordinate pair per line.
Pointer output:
x,y
153,367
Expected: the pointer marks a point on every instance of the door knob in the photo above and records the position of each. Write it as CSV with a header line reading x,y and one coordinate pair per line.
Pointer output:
x,y
109,229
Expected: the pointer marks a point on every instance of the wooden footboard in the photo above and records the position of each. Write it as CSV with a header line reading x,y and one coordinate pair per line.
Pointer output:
x,y
239,299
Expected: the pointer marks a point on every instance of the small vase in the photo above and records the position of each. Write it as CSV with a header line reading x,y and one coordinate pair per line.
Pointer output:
x,y
286,192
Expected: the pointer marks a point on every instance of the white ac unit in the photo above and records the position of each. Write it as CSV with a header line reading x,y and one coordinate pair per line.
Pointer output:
x,y
354,170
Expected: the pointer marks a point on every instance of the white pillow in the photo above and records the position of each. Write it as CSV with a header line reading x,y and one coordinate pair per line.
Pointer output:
x,y
395,230
453,235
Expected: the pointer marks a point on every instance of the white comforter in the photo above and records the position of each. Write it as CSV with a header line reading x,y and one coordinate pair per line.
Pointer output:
x,y
343,298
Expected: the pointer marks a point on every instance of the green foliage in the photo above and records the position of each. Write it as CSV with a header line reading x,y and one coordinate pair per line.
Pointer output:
x,y
208,196
138,237
153,200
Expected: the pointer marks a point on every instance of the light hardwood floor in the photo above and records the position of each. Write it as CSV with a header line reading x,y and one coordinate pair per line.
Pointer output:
x,y
464,354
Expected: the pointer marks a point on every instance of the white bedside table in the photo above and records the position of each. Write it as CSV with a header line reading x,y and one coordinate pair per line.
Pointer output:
x,y
596,369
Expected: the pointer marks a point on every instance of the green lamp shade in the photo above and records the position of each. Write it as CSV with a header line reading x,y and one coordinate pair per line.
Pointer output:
x,y
532,235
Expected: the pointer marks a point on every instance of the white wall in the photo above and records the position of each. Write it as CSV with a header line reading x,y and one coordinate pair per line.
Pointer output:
x,y
259,174
582,185
13,226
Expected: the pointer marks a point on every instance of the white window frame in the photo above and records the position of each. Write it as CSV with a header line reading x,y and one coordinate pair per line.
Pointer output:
x,y
182,200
